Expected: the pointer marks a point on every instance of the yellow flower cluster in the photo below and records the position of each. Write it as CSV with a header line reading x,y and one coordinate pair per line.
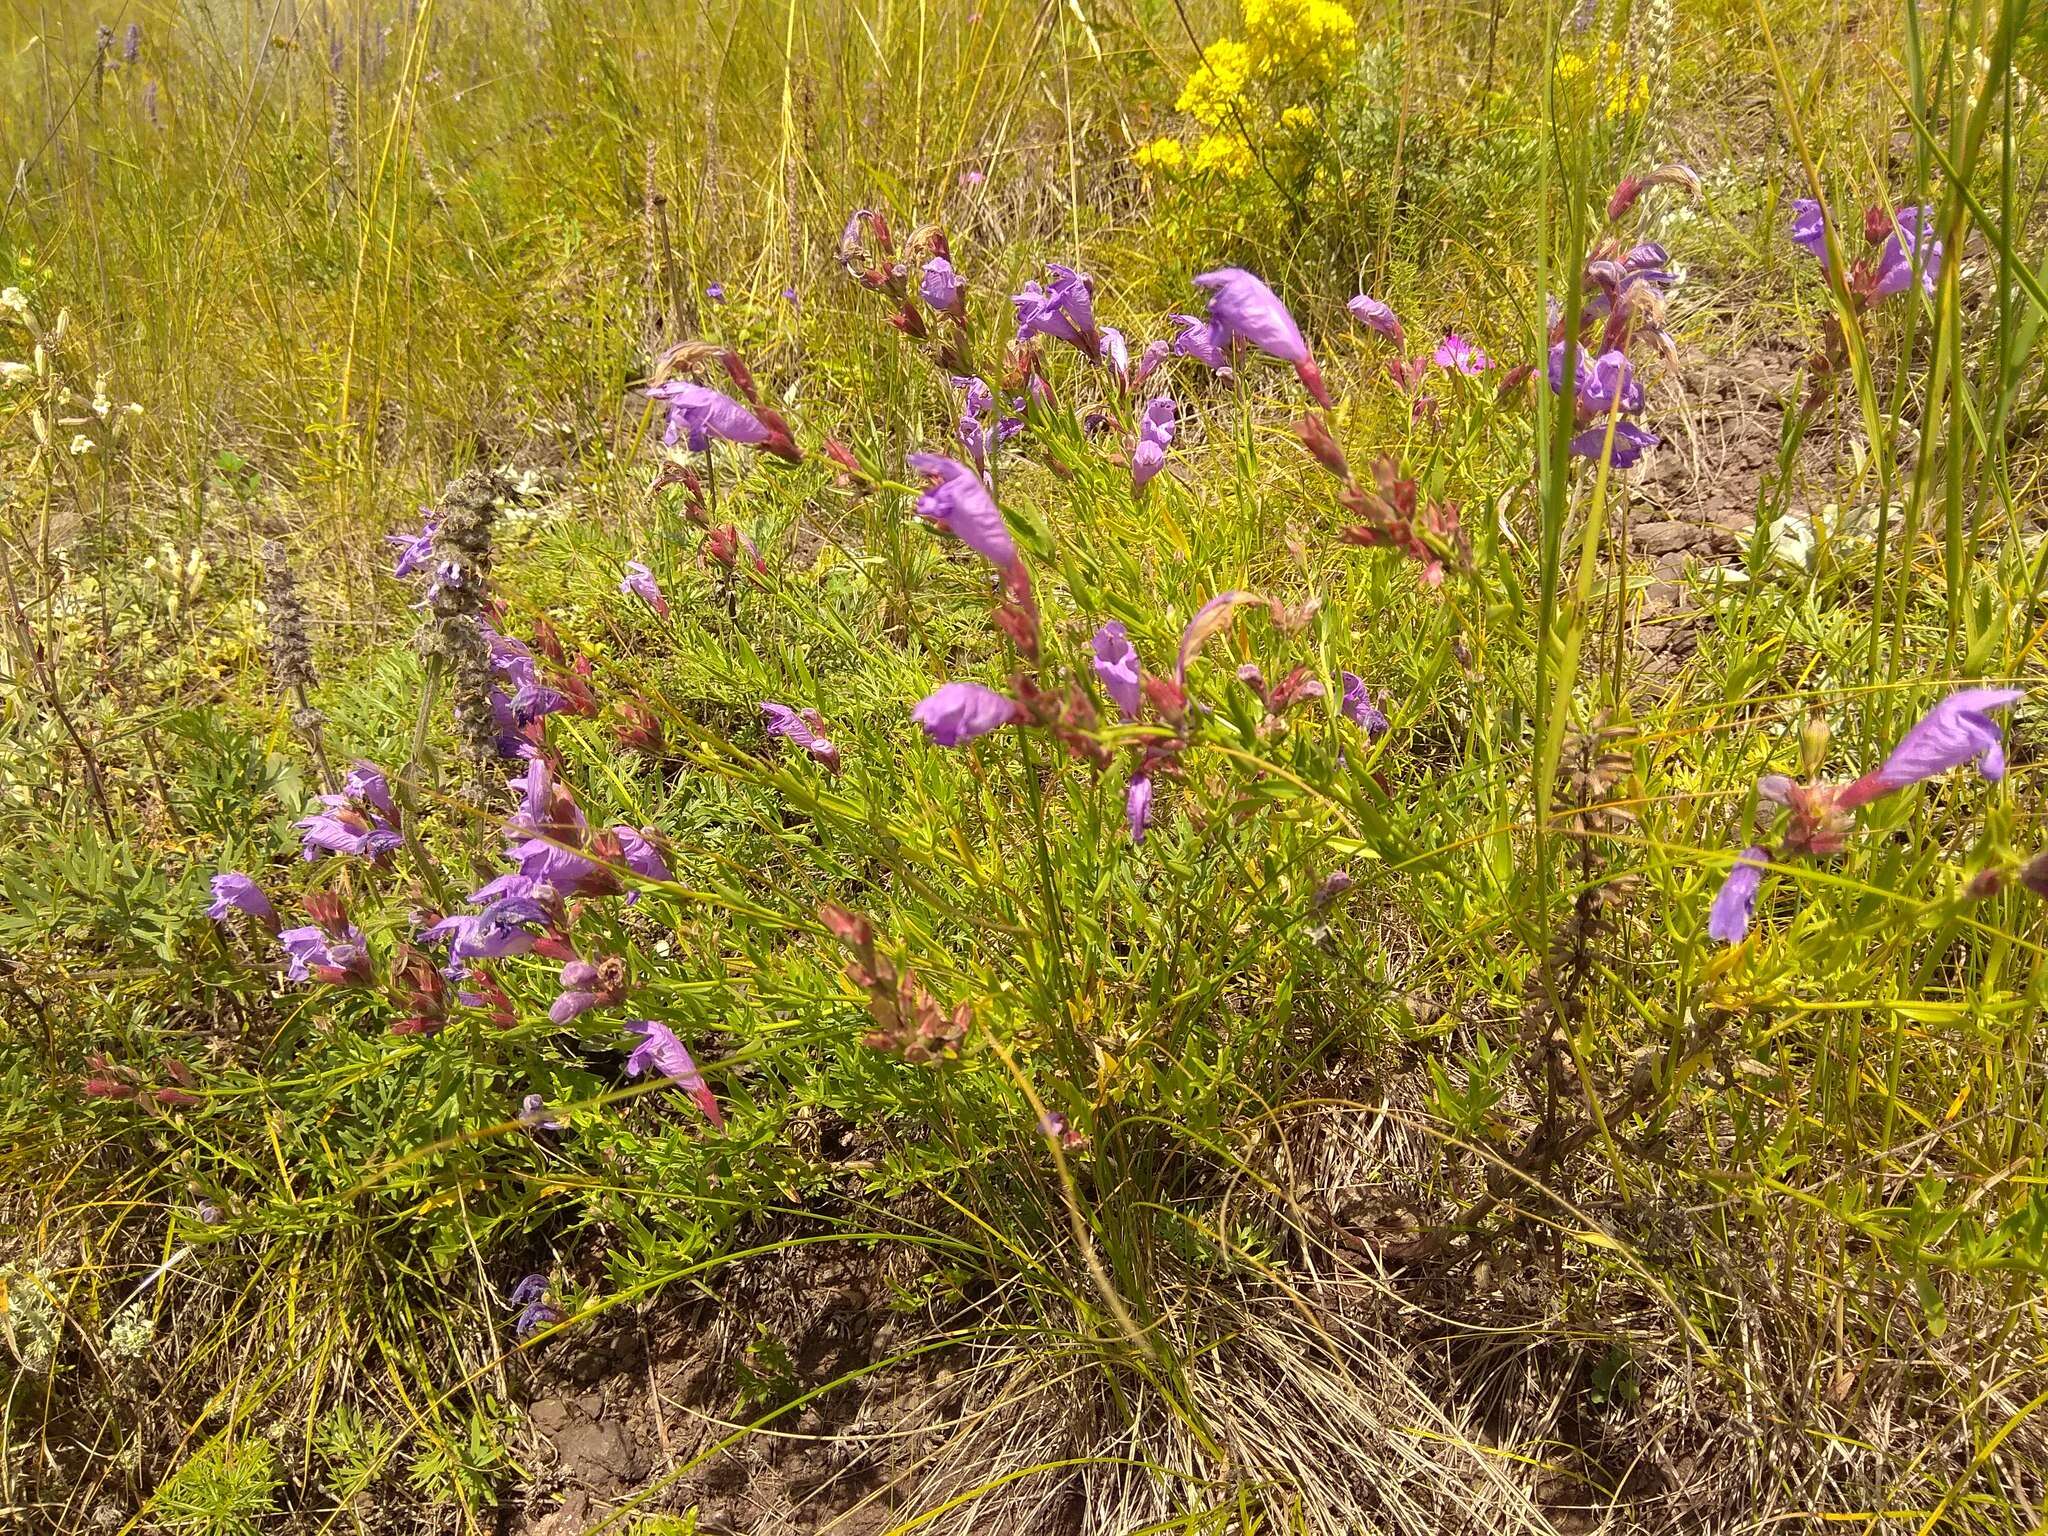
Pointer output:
x,y
1620,91
1215,89
1305,40
1291,49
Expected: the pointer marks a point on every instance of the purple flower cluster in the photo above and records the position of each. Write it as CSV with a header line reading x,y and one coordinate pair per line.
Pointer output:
x,y
1907,249
358,823
1155,436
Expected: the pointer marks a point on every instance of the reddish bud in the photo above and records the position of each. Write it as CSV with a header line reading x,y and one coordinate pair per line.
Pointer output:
x,y
1316,437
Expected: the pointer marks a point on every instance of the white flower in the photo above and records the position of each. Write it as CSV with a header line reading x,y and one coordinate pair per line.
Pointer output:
x,y
16,373
81,445
14,299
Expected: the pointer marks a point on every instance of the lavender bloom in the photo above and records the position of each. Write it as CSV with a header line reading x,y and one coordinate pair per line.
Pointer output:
x,y
1155,436
530,1296
506,927
637,851
344,830
955,713
541,810
535,1115
959,502
1375,316
547,863
367,784
1155,353
583,989
1138,806
1247,310
1728,918
1454,354
234,892
803,729
1630,442
943,288
415,550
1359,708
1117,666
1334,885
660,1049
715,292
1208,619
1809,229
639,582
1956,731
699,414
1912,248
1116,353
316,955
1064,311
1206,341
131,43
789,294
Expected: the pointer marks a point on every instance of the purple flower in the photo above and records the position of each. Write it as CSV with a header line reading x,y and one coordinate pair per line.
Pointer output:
x,y
536,1312
343,829
660,1050
972,178
1208,619
638,853
415,550
1063,310
1206,341
1630,442
715,292
317,955
1155,353
1375,316
506,927
548,863
543,809
1359,708
943,288
513,885
238,893
583,987
1956,731
1728,919
1138,806
640,583
1334,885
699,414
1247,310
803,729
959,712
1809,229
789,294
959,502
535,1115
1912,247
1116,664
1454,354
1155,436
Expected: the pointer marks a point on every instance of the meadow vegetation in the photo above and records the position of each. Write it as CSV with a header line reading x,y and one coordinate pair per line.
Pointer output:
x,y
1098,767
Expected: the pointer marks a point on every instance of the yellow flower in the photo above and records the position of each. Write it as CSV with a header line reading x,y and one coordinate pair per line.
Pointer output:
x,y
1307,40
1631,94
1218,86
1224,155
1570,66
1298,119
1161,155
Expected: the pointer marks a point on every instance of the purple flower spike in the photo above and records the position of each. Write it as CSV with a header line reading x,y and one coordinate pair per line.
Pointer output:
x,y
1138,806
1911,248
1359,708
1208,619
943,288
1375,316
504,928
1956,731
640,583
1206,341
1116,664
1809,229
698,414
238,893
959,502
954,713
1454,354
346,831
1609,378
661,1051
1063,310
1728,919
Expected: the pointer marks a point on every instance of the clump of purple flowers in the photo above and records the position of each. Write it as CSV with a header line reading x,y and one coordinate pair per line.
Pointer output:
x,y
359,822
